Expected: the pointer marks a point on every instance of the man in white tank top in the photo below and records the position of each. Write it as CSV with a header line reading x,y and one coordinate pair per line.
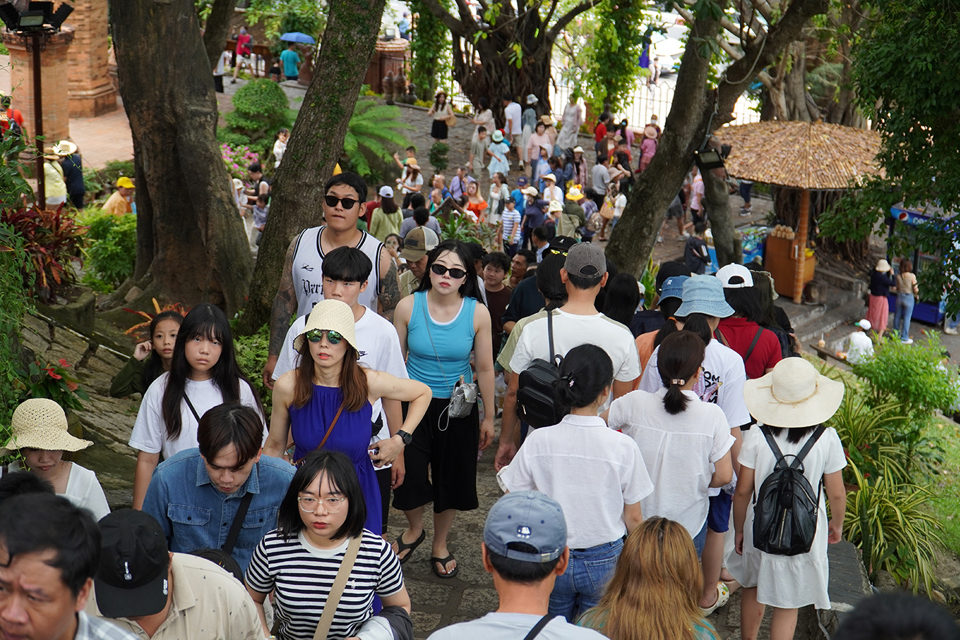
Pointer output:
x,y
301,280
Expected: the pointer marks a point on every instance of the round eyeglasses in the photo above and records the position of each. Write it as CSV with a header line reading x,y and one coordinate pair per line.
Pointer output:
x,y
330,505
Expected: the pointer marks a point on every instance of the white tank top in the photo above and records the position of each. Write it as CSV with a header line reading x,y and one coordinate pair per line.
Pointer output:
x,y
308,274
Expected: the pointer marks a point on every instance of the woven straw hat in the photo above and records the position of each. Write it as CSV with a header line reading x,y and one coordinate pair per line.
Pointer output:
x,y
330,315
40,423
793,395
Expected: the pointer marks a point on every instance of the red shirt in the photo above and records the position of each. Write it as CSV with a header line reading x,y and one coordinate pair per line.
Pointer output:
x,y
739,333
11,114
243,46
600,133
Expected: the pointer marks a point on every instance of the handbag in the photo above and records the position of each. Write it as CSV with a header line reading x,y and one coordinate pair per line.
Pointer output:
x,y
336,591
464,394
606,212
451,120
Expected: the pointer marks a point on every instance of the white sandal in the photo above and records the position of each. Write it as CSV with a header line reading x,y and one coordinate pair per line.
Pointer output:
x,y
723,595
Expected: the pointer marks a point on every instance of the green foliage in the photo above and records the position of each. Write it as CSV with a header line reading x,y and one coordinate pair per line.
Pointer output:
x,y
3,50
116,168
870,436
12,185
612,68
237,160
438,155
14,303
431,48
459,226
111,250
374,128
282,16
251,357
649,282
225,136
53,381
260,110
51,241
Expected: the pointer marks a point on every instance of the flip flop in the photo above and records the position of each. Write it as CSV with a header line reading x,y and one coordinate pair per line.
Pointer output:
x,y
403,546
443,562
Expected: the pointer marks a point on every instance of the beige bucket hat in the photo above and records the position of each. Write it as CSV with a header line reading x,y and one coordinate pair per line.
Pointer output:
x,y
793,395
330,315
40,423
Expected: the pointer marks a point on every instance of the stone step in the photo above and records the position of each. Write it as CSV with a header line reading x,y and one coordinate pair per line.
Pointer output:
x,y
848,312
802,315
842,281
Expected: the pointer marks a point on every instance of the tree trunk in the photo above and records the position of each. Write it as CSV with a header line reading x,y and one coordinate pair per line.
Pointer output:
x,y
716,202
690,119
315,145
788,95
191,241
215,31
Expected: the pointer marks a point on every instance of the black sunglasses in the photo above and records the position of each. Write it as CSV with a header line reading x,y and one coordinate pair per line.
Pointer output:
x,y
348,203
455,273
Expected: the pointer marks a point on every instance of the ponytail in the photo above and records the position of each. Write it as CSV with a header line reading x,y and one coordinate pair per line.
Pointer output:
x,y
585,372
678,361
697,323
667,328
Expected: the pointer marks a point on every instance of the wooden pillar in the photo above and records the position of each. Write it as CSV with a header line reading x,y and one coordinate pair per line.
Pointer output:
x,y
800,245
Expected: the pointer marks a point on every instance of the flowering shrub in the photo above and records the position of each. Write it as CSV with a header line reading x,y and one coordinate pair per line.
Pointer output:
x,y
52,381
236,159
52,240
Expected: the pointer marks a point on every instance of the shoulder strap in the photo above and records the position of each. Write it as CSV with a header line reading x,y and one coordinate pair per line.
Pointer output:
x,y
333,423
721,337
756,339
193,409
336,591
773,444
812,440
237,523
550,334
537,628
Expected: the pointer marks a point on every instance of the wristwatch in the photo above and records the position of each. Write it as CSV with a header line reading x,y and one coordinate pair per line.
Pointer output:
x,y
406,437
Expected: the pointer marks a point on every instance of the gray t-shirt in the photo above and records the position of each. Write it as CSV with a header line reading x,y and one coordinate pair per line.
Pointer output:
x,y
408,224
512,626
600,176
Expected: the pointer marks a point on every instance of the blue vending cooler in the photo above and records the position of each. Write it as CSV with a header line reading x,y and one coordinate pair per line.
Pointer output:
x,y
753,238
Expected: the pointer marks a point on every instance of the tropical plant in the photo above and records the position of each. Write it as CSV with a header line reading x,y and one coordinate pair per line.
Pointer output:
x,y
111,250
51,239
459,226
376,129
53,381
251,354
438,155
140,330
431,49
13,187
261,108
869,436
649,281
14,303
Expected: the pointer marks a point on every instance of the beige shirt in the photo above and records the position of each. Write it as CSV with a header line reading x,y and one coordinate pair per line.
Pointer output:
x,y
907,283
408,283
208,604
117,205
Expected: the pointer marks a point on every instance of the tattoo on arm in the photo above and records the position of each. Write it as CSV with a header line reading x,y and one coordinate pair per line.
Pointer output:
x,y
283,305
389,291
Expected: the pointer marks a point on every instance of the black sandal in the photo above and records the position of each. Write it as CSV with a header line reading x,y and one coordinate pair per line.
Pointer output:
x,y
443,562
403,546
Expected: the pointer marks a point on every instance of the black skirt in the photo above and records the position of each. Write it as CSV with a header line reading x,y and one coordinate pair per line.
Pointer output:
x,y
439,130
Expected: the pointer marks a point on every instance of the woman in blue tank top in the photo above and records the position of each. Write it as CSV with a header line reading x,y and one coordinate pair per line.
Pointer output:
x,y
440,327
326,402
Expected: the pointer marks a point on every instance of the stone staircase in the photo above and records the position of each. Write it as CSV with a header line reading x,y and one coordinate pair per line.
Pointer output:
x,y
842,304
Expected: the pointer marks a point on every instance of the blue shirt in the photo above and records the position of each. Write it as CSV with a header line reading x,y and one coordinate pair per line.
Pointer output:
x,y
519,200
440,353
290,60
195,515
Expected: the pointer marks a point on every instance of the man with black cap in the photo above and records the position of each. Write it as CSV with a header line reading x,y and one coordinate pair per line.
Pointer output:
x,y
143,588
526,298
525,548
576,322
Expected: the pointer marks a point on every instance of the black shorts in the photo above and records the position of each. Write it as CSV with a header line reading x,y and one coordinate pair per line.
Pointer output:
x,y
697,216
441,462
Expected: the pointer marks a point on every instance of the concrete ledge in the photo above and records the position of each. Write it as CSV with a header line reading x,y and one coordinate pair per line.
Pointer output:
x,y
842,281
848,586
79,315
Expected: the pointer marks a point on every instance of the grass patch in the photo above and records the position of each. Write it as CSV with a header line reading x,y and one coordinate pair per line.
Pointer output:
x,y
946,502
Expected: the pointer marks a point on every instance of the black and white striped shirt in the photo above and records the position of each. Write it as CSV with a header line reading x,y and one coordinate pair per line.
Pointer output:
x,y
303,576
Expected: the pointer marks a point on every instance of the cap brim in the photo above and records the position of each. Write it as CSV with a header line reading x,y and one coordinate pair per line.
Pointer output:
x,y
817,409
145,600
413,254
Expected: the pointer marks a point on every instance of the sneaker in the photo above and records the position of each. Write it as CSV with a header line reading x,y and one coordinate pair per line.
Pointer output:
x,y
685,235
907,341
660,239
950,332
744,212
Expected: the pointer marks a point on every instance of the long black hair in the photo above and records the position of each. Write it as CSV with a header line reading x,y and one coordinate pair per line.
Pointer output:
x,y
622,298
154,366
342,477
585,372
678,360
470,288
204,321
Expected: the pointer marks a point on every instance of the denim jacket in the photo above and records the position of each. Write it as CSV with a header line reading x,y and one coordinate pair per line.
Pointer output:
x,y
195,515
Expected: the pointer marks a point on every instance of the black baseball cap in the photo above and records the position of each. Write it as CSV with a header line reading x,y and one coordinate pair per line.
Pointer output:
x,y
561,245
132,580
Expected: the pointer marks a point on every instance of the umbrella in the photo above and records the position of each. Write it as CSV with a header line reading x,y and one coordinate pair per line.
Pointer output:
x,y
801,155
296,36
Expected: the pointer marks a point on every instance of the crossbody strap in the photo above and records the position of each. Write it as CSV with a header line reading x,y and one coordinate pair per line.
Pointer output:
x,y
753,344
336,591
237,522
193,409
333,423
537,628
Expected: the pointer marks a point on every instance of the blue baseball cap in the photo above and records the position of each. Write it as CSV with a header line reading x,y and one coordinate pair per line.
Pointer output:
x,y
673,288
704,294
530,517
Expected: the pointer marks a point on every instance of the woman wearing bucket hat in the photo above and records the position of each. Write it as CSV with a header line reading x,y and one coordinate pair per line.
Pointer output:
x,y
72,166
497,150
878,308
792,402
326,402
40,437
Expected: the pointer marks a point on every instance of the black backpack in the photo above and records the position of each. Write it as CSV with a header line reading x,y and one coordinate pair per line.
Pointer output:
x,y
536,403
785,508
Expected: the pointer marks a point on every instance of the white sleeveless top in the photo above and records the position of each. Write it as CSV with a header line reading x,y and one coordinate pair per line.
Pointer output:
x,y
308,275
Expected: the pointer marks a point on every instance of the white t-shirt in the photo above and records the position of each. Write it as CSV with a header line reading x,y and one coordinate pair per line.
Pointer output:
x,y
379,350
557,461
221,62
861,347
150,431
678,451
619,205
83,489
279,148
721,381
512,114
513,626
570,331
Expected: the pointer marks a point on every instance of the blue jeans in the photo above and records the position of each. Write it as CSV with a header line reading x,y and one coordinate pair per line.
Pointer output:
x,y
904,311
699,540
581,586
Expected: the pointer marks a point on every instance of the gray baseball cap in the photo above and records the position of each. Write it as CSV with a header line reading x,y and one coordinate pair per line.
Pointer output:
x,y
530,517
586,260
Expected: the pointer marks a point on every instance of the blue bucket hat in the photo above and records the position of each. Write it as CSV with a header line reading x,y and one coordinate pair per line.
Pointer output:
x,y
704,294
673,288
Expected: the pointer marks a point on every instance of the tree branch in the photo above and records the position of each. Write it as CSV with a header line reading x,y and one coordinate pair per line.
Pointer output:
x,y
730,50
215,32
456,27
562,22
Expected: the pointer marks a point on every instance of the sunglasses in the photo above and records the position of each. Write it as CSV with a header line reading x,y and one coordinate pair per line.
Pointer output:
x,y
455,273
556,252
316,335
348,203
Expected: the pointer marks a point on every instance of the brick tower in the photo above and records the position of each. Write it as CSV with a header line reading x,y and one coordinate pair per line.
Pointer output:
x,y
91,91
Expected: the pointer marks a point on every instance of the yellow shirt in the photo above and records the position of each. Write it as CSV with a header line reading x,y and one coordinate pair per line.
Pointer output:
x,y
53,183
117,205
408,283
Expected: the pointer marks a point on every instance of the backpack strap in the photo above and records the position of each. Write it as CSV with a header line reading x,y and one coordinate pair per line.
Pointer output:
x,y
773,444
537,628
756,339
721,337
812,440
550,334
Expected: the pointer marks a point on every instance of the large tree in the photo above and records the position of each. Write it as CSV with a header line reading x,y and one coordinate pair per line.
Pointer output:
x,y
315,146
216,29
191,245
698,110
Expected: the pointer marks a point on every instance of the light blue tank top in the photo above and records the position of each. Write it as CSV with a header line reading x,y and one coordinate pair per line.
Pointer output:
x,y
451,345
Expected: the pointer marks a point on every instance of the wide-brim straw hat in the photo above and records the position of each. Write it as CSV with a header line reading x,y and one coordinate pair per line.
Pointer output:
x,y
64,148
50,154
574,194
550,177
330,315
40,423
883,266
793,395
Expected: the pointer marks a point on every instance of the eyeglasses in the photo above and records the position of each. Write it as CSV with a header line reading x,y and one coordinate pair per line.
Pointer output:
x,y
348,203
316,335
330,505
455,272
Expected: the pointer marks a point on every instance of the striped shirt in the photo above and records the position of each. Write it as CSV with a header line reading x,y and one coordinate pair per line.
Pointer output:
x,y
511,226
303,576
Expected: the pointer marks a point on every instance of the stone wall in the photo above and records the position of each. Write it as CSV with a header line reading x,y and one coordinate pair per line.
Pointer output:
x,y
91,89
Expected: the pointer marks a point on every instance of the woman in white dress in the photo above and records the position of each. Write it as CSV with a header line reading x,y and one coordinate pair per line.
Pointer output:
x,y
571,121
792,402
484,118
40,436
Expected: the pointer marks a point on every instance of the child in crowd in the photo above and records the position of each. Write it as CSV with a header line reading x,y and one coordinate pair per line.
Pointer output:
x,y
511,227
478,151
498,155
280,146
150,358
260,212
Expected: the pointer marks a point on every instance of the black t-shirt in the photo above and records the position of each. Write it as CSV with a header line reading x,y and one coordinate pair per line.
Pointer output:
x,y
695,255
525,301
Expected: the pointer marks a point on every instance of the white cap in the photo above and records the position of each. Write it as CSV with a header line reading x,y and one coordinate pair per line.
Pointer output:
x,y
739,274
864,324
386,192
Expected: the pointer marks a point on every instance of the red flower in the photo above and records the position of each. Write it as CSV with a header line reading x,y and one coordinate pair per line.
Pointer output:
x,y
53,374
73,386
64,363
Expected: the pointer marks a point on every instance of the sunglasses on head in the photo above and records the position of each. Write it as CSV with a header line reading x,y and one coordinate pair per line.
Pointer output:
x,y
557,252
316,335
348,203
455,273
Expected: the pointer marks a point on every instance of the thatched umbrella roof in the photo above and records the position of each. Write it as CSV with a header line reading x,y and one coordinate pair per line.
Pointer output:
x,y
803,155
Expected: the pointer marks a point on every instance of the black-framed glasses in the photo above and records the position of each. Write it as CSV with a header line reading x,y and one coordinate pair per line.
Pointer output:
x,y
456,273
316,335
348,203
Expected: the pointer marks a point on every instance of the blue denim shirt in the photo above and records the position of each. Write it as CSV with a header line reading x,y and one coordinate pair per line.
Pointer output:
x,y
195,515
